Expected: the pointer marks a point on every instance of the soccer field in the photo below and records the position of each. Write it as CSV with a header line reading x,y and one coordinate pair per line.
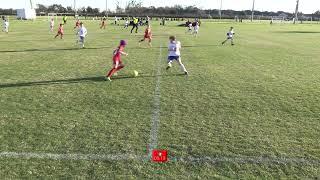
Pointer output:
x,y
245,111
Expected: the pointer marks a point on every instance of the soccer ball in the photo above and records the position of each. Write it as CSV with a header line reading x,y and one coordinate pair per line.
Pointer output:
x,y
135,73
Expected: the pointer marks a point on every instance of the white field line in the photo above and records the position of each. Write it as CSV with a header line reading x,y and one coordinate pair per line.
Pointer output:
x,y
193,160
248,160
52,156
155,120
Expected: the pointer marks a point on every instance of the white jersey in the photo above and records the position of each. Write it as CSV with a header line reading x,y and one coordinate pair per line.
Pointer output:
x,y
127,22
51,23
196,27
230,34
190,26
174,48
6,24
82,32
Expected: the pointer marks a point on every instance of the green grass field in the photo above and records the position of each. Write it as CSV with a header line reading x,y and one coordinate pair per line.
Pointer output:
x,y
246,111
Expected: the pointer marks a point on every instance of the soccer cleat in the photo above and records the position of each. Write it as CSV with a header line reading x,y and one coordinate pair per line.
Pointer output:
x,y
108,79
168,67
186,73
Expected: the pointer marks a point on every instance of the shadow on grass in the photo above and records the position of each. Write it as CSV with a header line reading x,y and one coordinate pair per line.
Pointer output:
x,y
76,81
95,48
45,50
298,32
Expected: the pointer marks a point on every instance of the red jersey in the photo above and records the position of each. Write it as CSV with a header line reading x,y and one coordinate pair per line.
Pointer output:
x,y
117,53
77,23
60,30
147,33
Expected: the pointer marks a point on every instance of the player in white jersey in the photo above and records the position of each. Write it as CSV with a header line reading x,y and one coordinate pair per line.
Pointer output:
x,y
6,26
126,25
51,25
230,36
196,28
190,27
82,33
174,48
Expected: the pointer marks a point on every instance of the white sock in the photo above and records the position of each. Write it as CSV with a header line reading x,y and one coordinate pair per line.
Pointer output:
x,y
183,68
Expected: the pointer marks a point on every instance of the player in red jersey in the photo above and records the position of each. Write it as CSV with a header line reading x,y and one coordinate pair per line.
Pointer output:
x,y
147,35
117,63
103,23
77,24
60,31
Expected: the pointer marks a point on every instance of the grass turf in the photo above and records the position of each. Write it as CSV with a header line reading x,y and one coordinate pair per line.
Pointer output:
x,y
256,99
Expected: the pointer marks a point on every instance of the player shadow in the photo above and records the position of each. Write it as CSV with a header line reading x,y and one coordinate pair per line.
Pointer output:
x,y
201,45
298,32
78,80
49,50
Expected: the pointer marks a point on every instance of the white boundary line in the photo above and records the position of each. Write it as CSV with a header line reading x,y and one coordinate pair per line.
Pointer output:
x,y
155,120
248,160
100,157
190,159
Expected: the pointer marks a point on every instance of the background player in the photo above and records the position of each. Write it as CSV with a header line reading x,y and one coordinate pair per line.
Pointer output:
x,y
135,25
6,26
51,25
117,63
126,25
77,24
196,29
230,36
190,27
64,19
174,54
103,23
82,34
147,35
60,31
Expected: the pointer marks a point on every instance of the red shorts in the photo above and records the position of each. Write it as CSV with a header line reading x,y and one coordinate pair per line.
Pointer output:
x,y
116,59
147,37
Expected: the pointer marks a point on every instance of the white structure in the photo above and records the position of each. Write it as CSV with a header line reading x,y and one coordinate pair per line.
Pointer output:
x,y
27,13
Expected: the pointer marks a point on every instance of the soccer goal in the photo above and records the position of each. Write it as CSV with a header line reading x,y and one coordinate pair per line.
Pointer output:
x,y
52,16
278,20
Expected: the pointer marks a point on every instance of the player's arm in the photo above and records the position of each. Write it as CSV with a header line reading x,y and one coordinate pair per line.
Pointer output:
x,y
123,53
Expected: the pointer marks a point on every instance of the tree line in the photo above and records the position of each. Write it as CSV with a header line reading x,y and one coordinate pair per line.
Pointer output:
x,y
135,8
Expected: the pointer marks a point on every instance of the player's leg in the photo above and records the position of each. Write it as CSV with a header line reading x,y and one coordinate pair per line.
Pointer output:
x,y
113,70
183,68
82,41
224,41
137,27
232,43
150,42
120,66
170,59
133,28
144,38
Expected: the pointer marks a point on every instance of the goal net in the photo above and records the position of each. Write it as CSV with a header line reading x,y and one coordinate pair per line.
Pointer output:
x,y
52,16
